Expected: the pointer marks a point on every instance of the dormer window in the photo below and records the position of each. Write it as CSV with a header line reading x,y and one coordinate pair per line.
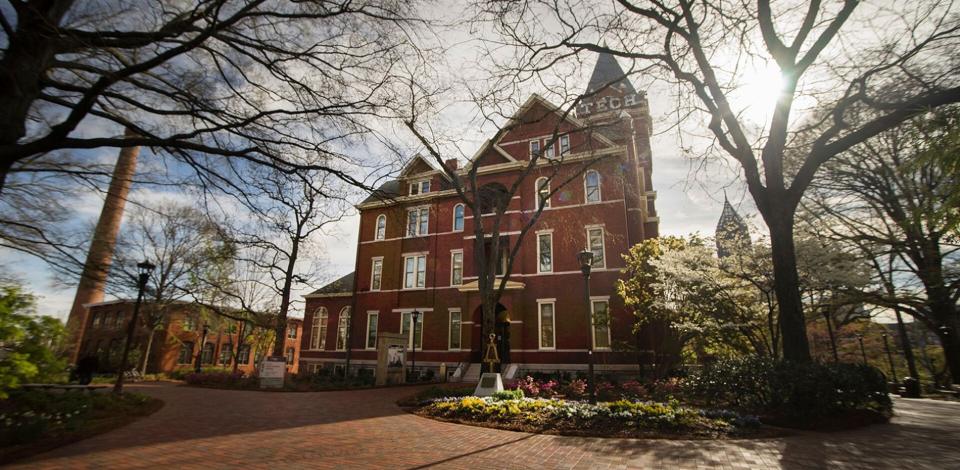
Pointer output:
x,y
534,148
419,187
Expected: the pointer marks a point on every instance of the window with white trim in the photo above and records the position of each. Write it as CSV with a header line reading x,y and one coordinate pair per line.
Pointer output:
x,y
456,267
318,330
343,322
546,324
458,218
595,244
381,232
415,271
549,153
591,186
453,343
545,252
601,323
372,320
376,273
564,144
534,148
407,321
418,219
419,187
542,186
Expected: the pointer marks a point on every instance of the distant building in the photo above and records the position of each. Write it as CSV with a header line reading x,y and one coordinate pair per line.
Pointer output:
x,y
732,233
178,341
416,246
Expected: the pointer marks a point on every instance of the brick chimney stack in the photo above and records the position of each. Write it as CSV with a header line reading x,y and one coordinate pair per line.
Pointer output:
x,y
452,163
97,266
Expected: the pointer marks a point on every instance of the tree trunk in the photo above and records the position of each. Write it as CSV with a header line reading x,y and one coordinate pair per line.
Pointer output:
x,y
281,327
793,330
146,353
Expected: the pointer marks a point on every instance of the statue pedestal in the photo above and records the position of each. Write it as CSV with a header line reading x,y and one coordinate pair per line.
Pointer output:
x,y
490,383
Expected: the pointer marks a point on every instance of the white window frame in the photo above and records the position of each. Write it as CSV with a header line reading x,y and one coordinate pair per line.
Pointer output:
x,y
553,305
410,331
463,213
540,234
593,328
418,187
366,339
422,226
536,193
550,152
316,327
377,234
343,322
603,244
374,286
535,152
564,144
418,281
450,329
453,255
586,191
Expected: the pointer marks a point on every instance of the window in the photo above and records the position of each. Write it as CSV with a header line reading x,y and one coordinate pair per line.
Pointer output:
x,y
343,322
458,218
543,193
419,187
97,320
243,356
595,244
601,324
549,153
381,232
188,324
226,350
534,148
372,319
415,271
418,221
564,144
207,356
291,352
292,331
546,325
591,186
545,251
456,268
376,273
318,331
416,339
186,353
454,341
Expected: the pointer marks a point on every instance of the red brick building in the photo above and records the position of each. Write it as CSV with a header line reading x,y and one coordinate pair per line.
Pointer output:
x,y
415,250
179,339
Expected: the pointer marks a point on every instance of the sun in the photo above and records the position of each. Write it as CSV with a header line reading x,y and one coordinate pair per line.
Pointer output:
x,y
758,87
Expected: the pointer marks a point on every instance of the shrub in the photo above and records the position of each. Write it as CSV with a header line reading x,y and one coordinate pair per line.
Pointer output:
x,y
798,392
516,394
576,389
221,380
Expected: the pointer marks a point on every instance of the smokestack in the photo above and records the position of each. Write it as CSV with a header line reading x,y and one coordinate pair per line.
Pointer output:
x,y
100,256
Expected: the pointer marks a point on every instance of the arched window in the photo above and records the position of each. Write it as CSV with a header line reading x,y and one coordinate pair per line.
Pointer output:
x,y
543,193
381,228
591,186
342,325
458,218
318,331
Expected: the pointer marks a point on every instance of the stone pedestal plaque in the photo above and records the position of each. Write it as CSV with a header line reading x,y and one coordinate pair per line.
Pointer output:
x,y
272,371
391,358
490,383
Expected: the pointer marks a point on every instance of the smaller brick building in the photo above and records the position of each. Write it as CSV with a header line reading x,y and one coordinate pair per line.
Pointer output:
x,y
177,339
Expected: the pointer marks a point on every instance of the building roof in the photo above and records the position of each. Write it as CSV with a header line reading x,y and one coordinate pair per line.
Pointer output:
x,y
343,285
732,232
386,191
606,73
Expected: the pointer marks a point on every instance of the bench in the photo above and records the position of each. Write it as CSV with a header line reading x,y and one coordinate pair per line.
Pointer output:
x,y
65,387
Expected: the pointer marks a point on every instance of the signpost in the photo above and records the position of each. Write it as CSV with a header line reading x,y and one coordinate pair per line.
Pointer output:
x,y
490,382
272,371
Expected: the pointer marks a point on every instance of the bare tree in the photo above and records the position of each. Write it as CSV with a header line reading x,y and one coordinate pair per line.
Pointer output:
x,y
846,56
266,81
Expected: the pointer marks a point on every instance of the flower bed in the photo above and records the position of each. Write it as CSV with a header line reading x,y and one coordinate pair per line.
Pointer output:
x,y
621,418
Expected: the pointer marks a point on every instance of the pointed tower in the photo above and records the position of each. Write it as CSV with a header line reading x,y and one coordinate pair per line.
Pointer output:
x,y
732,233
613,107
97,266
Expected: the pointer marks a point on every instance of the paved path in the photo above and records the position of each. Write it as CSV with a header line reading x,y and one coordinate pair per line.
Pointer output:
x,y
202,428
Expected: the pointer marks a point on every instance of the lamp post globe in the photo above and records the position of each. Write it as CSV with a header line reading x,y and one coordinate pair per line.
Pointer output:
x,y
144,270
586,262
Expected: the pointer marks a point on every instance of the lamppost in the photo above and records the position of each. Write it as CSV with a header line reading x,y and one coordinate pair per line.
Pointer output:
x,y
203,341
144,269
863,352
893,369
414,315
586,261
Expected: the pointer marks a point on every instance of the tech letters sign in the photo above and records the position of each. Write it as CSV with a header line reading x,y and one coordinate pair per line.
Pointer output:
x,y
609,103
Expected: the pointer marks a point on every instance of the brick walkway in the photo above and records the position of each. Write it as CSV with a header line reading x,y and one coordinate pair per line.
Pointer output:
x,y
200,428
